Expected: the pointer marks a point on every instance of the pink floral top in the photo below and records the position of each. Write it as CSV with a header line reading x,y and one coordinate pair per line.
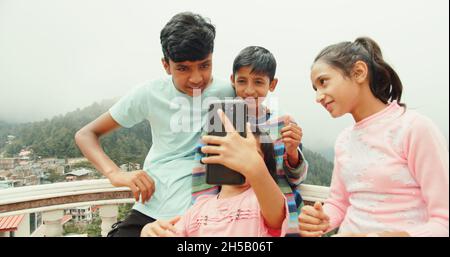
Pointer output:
x,y
391,173
237,216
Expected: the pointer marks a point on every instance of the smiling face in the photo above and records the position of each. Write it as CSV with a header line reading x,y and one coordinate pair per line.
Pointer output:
x,y
337,93
190,77
252,87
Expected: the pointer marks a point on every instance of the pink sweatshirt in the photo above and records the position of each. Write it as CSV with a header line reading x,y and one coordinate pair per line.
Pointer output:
x,y
391,173
237,216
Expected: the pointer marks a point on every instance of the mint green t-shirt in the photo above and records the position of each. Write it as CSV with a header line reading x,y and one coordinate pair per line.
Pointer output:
x,y
176,120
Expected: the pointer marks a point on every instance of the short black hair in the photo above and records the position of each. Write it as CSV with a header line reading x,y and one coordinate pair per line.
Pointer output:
x,y
267,148
259,58
187,37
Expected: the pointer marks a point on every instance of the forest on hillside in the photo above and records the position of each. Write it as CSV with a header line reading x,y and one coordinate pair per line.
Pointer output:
x,y
55,138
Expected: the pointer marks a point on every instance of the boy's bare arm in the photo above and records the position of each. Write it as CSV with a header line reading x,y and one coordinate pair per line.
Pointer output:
x,y
88,140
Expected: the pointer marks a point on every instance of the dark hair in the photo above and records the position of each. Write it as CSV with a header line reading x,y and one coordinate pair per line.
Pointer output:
x,y
260,59
267,149
187,37
384,82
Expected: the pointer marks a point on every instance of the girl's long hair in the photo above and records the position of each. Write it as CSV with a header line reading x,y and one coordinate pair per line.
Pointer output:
x,y
384,82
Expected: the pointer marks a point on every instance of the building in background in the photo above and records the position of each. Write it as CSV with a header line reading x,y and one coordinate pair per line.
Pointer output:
x,y
82,214
80,174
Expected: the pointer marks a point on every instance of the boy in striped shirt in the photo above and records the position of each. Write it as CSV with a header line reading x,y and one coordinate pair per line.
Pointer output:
x,y
253,78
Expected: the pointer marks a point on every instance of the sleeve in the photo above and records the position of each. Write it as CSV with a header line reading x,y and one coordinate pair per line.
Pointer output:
x,y
133,107
296,176
337,203
427,155
182,225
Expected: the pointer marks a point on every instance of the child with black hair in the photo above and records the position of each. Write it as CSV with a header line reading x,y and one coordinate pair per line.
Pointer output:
x,y
164,184
253,78
255,209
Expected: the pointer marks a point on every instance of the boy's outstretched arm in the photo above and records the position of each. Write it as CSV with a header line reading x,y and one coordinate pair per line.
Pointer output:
x,y
88,140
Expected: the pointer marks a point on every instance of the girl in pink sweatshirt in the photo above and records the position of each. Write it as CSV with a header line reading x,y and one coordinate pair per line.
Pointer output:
x,y
391,168
257,208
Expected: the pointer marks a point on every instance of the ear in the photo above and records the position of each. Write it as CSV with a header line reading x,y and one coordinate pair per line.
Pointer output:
x,y
166,66
273,84
360,72
232,80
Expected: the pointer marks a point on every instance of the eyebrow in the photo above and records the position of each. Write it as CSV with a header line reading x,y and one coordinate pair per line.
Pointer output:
x,y
259,78
205,62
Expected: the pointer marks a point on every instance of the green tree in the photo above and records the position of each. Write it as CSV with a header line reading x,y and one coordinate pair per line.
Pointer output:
x,y
93,229
319,169
72,228
54,176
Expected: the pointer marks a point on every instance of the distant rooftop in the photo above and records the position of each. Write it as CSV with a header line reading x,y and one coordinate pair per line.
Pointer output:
x,y
80,172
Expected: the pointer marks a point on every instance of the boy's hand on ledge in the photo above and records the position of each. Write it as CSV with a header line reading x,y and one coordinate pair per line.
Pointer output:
x,y
138,181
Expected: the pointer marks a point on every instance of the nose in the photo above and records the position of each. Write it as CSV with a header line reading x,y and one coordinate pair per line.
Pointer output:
x,y
319,96
195,78
249,91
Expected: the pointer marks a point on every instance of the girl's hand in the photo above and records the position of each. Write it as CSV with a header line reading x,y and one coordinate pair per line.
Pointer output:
x,y
291,135
138,181
160,228
233,150
313,222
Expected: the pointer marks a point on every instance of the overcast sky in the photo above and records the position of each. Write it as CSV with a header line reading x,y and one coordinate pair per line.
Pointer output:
x,y
56,56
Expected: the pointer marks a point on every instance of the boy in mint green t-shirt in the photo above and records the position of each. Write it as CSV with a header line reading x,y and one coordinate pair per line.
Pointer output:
x,y
175,107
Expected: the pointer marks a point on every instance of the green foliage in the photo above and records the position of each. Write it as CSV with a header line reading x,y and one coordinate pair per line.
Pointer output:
x,y
93,229
5,130
124,210
72,228
54,177
86,165
12,149
319,169
55,137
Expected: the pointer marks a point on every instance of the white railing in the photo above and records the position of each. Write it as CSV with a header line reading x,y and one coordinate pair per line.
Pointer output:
x,y
52,199
313,193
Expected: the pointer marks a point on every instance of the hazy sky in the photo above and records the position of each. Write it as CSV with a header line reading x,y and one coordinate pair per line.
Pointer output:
x,y
56,56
